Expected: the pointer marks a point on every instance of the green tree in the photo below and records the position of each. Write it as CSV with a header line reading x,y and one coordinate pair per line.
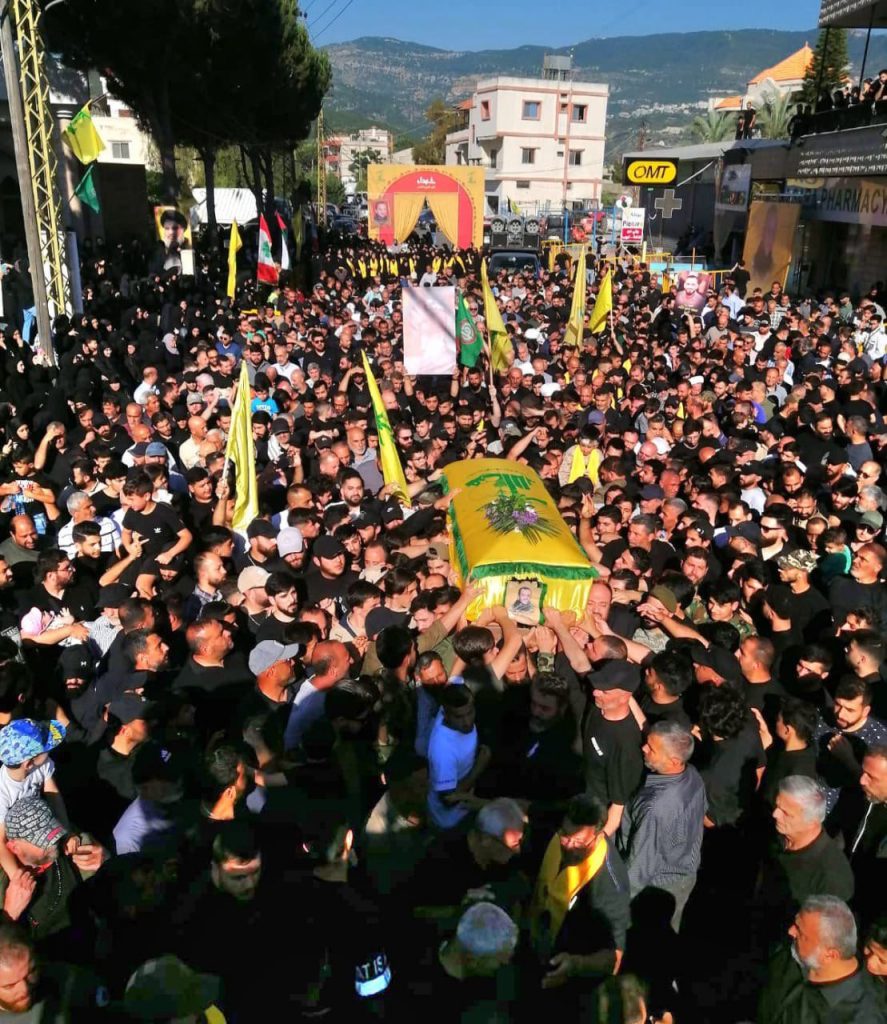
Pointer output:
x,y
180,66
358,166
441,120
828,69
713,126
335,190
775,115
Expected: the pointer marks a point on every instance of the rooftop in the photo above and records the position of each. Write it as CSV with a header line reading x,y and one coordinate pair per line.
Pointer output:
x,y
792,69
702,150
729,103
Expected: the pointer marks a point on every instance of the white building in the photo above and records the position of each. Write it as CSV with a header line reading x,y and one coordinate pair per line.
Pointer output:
x,y
540,140
125,141
377,140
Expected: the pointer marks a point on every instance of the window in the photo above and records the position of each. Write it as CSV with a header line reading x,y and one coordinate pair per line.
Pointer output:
x,y
532,110
522,184
485,110
494,153
528,156
580,112
120,150
575,157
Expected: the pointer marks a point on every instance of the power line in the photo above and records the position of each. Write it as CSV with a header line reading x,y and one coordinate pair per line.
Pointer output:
x,y
323,13
333,22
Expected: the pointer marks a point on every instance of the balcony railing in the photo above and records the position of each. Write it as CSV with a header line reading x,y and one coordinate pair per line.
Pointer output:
x,y
859,115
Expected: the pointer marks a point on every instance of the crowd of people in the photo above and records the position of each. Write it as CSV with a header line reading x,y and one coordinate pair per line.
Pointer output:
x,y
277,774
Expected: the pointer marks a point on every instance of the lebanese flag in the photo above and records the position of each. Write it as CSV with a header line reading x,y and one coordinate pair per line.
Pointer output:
x,y
284,251
267,270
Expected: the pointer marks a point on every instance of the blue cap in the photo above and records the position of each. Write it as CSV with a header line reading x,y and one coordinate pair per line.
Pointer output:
x,y
26,738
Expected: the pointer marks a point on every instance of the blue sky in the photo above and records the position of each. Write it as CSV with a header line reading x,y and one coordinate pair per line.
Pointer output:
x,y
495,24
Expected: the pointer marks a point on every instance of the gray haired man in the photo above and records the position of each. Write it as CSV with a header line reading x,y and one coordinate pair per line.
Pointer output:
x,y
817,978
661,831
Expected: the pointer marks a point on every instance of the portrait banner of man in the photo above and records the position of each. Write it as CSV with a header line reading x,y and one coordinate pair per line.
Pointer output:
x,y
174,232
523,602
692,288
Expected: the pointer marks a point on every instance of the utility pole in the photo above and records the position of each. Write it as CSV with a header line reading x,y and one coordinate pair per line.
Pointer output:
x,y
33,125
321,172
566,175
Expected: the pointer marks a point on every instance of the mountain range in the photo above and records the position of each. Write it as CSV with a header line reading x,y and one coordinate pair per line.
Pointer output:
x,y
658,82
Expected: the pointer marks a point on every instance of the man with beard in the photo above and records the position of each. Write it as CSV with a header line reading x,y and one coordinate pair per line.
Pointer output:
x,y
661,832
483,861
579,912
538,763
867,839
39,895
818,979
31,992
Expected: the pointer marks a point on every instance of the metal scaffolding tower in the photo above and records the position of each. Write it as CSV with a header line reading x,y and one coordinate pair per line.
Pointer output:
x,y
33,124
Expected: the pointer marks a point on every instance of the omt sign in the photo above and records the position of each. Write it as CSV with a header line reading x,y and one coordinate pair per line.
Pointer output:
x,y
650,172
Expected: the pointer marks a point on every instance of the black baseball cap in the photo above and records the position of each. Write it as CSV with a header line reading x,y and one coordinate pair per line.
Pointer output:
x,y
616,675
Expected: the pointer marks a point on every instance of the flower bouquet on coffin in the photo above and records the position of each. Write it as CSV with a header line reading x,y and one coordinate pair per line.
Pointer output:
x,y
514,513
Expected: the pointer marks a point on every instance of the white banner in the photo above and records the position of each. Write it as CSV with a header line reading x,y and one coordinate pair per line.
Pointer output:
x,y
429,330
633,225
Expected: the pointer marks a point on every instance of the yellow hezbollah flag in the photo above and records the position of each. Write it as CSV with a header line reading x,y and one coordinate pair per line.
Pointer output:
x,y
504,526
298,233
82,137
392,471
234,245
603,305
576,323
500,343
241,451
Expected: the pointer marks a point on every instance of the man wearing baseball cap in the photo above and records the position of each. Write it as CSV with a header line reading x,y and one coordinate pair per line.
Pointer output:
x,y
251,583
810,610
27,770
329,576
611,738
47,866
262,550
165,989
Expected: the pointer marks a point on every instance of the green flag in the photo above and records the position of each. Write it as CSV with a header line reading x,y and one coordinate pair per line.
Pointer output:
x,y
86,193
470,342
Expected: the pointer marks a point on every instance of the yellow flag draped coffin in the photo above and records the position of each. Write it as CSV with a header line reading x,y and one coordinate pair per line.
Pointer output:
x,y
504,525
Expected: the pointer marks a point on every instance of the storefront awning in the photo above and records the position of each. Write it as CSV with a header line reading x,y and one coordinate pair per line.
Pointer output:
x,y
853,14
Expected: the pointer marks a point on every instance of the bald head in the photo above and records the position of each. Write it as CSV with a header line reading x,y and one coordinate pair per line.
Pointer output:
x,y
331,662
197,427
24,533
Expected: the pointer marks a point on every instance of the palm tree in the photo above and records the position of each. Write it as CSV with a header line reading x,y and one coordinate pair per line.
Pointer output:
x,y
713,126
775,114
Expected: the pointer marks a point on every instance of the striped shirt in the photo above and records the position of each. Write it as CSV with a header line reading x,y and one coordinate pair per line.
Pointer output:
x,y
110,536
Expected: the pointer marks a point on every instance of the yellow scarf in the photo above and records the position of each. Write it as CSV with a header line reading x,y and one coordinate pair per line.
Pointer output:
x,y
214,1015
557,888
579,467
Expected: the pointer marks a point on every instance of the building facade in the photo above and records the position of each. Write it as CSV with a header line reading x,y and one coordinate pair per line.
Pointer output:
x,y
539,140
341,151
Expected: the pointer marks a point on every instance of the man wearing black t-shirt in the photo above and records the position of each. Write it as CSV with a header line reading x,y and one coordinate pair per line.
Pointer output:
x,y
863,587
330,577
667,676
611,740
283,603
